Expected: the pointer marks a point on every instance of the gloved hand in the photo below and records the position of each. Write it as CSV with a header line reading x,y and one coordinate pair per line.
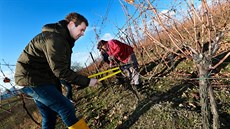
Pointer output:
x,y
110,65
93,82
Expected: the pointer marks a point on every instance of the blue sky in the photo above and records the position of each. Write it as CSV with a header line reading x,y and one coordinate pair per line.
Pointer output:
x,y
21,20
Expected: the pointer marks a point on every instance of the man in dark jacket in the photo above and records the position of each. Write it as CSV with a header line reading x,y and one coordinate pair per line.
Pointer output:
x,y
44,62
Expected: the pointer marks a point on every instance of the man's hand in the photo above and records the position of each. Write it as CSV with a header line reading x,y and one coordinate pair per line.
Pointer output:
x,y
93,82
110,65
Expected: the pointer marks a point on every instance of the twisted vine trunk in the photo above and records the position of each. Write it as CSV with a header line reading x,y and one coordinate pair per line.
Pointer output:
x,y
206,91
203,87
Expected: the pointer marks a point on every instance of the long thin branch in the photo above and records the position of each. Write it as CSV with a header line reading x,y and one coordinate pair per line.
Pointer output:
x,y
165,29
221,61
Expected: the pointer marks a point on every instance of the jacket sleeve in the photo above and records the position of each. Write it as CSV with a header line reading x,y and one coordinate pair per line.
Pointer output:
x,y
56,50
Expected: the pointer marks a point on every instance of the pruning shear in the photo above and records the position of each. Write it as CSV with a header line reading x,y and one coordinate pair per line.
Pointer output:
x,y
113,71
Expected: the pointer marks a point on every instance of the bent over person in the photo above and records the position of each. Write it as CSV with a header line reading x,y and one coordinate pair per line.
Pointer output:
x,y
123,53
44,62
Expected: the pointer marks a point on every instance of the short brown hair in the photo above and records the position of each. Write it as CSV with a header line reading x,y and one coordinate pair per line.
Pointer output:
x,y
76,18
100,44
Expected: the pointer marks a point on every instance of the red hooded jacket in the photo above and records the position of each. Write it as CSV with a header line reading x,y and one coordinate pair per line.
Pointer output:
x,y
119,50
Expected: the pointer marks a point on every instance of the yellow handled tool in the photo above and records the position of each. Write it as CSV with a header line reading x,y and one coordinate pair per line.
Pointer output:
x,y
114,71
107,71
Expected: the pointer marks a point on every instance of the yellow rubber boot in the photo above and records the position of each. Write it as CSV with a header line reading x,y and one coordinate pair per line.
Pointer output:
x,y
81,124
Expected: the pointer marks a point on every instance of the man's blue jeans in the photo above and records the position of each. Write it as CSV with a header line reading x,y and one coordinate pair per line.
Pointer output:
x,y
51,102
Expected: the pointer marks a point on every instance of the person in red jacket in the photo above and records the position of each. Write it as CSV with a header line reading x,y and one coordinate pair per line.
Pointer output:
x,y
123,53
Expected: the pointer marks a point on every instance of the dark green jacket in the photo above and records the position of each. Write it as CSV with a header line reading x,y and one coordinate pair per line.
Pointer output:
x,y
46,59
